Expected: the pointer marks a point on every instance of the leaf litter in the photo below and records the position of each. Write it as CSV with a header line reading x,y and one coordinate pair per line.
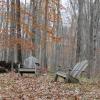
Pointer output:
x,y
29,87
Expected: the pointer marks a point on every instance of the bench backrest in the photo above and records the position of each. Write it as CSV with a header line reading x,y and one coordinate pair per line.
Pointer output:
x,y
78,68
31,62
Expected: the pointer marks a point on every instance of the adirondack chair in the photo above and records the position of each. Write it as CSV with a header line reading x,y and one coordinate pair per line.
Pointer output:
x,y
31,65
71,76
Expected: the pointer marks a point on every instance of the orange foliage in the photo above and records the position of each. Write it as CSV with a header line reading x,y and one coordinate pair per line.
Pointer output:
x,y
9,41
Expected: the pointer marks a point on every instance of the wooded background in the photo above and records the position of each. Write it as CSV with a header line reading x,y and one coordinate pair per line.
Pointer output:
x,y
56,34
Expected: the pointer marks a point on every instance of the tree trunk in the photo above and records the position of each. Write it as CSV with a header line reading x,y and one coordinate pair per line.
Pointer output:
x,y
18,26
44,38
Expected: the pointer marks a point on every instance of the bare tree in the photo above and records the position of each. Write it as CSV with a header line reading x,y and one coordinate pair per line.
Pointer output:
x,y
18,26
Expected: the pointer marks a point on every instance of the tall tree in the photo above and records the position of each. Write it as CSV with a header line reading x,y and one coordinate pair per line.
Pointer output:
x,y
18,26
44,38
88,28
11,18
33,22
7,27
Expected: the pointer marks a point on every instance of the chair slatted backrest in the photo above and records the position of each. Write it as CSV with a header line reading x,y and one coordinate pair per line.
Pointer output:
x,y
82,68
75,68
78,68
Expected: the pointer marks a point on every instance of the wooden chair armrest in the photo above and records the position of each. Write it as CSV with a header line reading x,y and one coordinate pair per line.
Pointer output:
x,y
59,68
37,64
20,65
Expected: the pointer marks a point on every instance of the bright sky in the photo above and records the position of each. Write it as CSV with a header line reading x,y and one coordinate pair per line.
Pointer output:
x,y
63,2
27,1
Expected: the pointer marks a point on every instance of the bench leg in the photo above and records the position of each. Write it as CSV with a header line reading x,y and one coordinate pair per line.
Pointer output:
x,y
21,73
56,77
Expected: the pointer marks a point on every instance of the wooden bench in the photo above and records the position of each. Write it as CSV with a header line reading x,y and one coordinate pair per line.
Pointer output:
x,y
72,75
23,70
26,70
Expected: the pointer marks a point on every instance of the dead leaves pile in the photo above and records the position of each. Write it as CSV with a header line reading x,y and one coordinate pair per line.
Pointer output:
x,y
15,87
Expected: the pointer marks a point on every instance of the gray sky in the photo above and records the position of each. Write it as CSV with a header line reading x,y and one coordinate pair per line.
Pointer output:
x,y
63,1
24,1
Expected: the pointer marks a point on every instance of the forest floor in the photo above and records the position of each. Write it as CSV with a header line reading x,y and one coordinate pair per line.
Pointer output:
x,y
28,87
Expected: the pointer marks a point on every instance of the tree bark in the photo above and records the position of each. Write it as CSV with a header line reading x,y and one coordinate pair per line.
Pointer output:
x,y
18,26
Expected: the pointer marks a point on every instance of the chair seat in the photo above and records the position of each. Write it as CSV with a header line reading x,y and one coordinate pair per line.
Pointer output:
x,y
62,74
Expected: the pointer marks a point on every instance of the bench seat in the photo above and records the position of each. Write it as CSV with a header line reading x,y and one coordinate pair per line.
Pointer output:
x,y
26,70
